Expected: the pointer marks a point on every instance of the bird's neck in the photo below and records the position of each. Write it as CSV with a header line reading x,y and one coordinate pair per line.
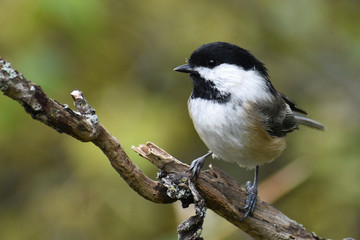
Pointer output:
x,y
207,90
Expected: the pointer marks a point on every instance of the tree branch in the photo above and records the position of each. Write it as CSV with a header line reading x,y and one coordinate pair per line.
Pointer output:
x,y
83,126
220,192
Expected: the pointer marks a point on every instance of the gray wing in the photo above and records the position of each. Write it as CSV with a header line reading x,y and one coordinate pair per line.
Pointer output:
x,y
282,117
301,119
279,119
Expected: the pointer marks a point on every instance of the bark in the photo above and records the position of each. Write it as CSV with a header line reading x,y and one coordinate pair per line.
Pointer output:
x,y
214,189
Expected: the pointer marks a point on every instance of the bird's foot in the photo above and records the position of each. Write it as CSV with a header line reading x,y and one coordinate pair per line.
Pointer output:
x,y
250,200
196,166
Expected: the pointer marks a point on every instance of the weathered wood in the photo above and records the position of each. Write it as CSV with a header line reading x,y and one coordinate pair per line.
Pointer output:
x,y
221,193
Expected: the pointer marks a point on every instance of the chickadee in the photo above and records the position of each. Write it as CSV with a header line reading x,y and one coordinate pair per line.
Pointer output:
x,y
237,112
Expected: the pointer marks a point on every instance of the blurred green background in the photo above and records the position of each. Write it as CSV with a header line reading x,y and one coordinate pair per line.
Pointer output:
x,y
121,54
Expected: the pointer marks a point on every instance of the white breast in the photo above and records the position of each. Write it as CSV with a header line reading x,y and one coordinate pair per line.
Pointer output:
x,y
214,124
224,127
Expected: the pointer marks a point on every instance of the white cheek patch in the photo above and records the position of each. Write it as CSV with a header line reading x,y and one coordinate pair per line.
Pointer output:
x,y
247,85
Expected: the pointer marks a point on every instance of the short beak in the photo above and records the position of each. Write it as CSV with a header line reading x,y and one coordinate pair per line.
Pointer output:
x,y
184,68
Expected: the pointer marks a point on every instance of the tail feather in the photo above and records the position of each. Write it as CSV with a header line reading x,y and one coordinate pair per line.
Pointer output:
x,y
309,122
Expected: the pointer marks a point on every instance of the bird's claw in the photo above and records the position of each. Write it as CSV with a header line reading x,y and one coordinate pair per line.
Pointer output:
x,y
250,200
196,166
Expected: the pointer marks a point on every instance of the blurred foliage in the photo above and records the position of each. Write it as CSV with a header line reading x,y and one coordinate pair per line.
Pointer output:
x,y
121,55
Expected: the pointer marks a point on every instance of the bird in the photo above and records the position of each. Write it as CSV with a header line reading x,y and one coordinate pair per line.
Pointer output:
x,y
237,112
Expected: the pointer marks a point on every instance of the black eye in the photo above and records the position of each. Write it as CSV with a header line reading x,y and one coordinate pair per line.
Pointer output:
x,y
211,63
